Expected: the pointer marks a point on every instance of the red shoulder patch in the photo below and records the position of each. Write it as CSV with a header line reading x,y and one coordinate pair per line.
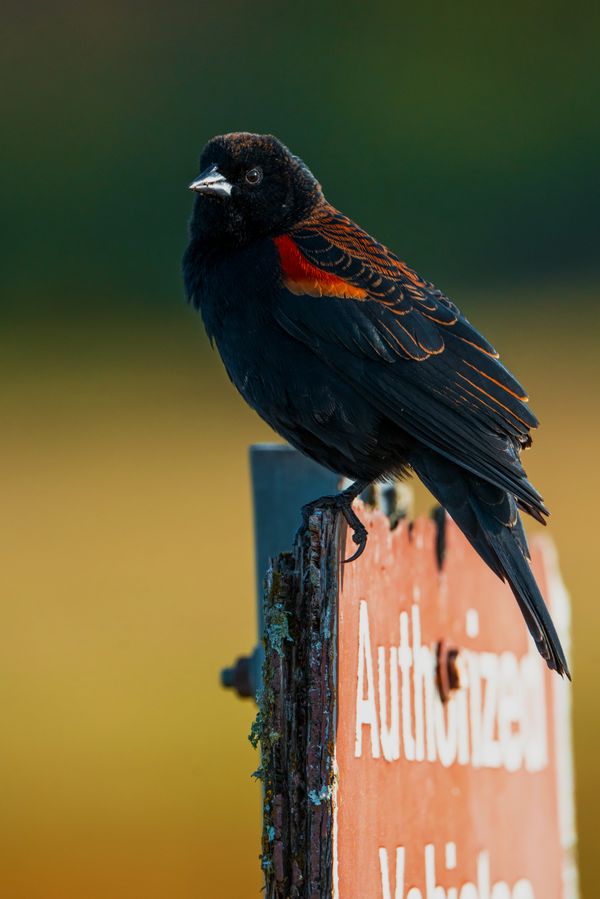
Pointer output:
x,y
302,277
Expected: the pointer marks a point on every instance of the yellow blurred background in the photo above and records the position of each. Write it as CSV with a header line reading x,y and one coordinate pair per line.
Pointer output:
x,y
468,142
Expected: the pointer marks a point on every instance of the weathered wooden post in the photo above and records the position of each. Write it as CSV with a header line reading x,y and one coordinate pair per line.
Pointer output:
x,y
413,743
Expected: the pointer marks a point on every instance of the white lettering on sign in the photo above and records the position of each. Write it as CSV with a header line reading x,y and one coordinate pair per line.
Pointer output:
x,y
497,719
366,712
390,730
479,888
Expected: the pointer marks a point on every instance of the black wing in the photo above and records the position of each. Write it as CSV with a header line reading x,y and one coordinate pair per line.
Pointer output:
x,y
407,348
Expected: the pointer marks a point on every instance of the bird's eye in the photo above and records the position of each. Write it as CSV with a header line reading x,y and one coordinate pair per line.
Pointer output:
x,y
254,176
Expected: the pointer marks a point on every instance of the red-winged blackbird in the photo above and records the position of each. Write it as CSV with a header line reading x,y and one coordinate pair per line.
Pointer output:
x,y
356,360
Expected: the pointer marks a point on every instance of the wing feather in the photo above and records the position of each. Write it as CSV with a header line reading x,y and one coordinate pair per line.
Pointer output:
x,y
459,399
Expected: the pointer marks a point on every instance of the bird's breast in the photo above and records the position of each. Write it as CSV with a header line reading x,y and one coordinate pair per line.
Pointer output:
x,y
233,289
288,384
234,292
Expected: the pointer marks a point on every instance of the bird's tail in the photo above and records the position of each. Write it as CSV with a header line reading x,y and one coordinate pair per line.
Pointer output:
x,y
489,518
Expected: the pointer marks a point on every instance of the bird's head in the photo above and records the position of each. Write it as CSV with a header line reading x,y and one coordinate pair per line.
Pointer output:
x,y
250,186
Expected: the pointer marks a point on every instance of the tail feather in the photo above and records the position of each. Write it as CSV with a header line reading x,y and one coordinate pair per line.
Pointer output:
x,y
489,518
517,572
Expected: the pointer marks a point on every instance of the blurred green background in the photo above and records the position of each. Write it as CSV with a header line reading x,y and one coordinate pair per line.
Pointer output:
x,y
467,138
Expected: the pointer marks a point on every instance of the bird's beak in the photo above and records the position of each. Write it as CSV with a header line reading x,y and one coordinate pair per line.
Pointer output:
x,y
211,181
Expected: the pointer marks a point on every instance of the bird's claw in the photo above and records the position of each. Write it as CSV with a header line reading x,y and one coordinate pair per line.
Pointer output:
x,y
359,536
341,503
359,532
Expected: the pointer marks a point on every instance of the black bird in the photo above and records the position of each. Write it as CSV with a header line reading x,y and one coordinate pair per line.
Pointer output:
x,y
356,360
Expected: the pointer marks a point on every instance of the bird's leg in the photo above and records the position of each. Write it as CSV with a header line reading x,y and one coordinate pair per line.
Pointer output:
x,y
342,502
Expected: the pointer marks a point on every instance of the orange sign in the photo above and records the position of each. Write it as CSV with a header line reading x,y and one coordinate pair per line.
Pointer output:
x,y
467,798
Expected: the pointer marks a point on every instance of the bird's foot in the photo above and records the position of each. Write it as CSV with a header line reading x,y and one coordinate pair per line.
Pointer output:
x,y
359,531
342,503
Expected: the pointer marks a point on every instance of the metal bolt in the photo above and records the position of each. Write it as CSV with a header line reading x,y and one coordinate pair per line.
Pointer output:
x,y
448,670
240,677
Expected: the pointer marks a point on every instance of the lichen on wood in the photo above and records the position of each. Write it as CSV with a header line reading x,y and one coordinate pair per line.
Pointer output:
x,y
295,724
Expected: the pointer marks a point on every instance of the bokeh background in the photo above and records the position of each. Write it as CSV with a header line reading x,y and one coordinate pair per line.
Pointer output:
x,y
465,136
